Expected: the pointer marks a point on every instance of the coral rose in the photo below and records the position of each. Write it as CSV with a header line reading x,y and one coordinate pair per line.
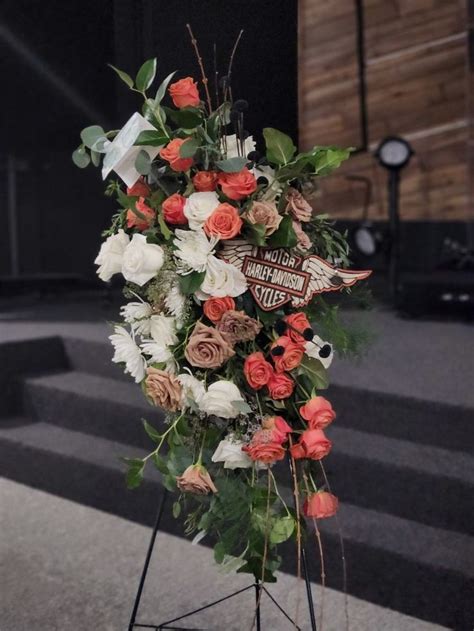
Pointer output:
x,y
278,426
173,210
297,324
144,222
280,386
214,308
164,389
291,355
320,505
207,348
238,185
265,214
318,412
224,222
170,153
196,479
184,93
264,448
257,370
297,206
312,444
139,189
205,181
237,326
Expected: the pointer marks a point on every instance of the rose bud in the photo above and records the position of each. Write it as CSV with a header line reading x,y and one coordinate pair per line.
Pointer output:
x,y
173,210
196,479
184,93
321,505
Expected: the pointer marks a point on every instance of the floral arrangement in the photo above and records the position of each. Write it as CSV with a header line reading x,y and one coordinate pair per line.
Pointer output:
x,y
225,262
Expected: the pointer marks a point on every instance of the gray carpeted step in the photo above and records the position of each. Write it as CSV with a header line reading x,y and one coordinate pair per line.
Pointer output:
x,y
91,404
395,562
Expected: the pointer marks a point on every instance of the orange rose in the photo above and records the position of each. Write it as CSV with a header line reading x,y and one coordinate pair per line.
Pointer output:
x,y
280,386
320,505
318,412
205,181
297,324
184,93
173,210
134,221
224,222
264,448
278,426
289,354
170,153
139,189
257,370
238,185
214,308
312,444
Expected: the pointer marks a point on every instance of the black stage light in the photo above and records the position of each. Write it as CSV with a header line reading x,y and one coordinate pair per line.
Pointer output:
x,y
366,238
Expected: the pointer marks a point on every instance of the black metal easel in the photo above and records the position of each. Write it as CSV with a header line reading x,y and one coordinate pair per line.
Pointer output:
x,y
257,586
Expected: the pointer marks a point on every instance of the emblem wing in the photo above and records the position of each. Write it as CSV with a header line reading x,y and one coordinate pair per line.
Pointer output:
x,y
234,252
326,277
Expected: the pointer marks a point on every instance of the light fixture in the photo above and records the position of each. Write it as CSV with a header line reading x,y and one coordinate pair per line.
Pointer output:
x,y
394,152
366,238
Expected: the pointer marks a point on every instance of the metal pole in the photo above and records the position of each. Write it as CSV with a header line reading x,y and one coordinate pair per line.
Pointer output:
x,y
136,604
394,222
258,591
309,591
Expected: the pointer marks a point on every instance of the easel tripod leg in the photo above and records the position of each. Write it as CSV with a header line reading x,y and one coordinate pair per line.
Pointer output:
x,y
309,592
258,592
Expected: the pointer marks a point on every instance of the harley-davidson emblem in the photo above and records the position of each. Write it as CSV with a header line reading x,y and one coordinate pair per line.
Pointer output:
x,y
276,276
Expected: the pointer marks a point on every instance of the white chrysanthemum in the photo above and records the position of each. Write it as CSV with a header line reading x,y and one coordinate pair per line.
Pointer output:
x,y
220,398
163,330
193,389
135,311
158,353
221,279
198,207
319,349
175,302
193,249
127,352
233,149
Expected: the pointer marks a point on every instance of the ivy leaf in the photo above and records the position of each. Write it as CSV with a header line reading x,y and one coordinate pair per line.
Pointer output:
x,y
285,236
189,148
81,158
90,135
160,93
134,475
282,529
191,282
231,165
280,147
151,431
315,371
126,78
145,75
151,138
143,163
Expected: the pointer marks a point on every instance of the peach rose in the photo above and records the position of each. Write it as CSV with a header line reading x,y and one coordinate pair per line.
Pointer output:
x,y
264,448
170,153
289,354
237,326
207,348
184,93
297,206
214,308
304,242
196,479
224,222
297,324
173,210
318,412
238,185
320,505
278,426
134,221
164,389
312,444
265,214
139,189
280,386
257,370
205,181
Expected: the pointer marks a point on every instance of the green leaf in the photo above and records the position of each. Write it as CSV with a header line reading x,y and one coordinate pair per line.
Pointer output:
x,y
255,233
134,476
285,236
282,529
315,371
151,138
280,147
165,231
231,165
124,200
189,148
126,78
90,135
160,463
160,93
219,552
328,159
143,163
176,510
191,282
95,157
145,75
242,406
188,118
151,431
81,158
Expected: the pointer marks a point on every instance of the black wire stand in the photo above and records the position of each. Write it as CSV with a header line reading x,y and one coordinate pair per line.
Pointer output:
x,y
257,587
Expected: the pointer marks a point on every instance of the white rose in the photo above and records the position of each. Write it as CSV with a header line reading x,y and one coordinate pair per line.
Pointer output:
x,y
193,249
221,279
141,260
111,255
233,150
193,389
127,352
319,349
163,330
198,207
219,399
229,451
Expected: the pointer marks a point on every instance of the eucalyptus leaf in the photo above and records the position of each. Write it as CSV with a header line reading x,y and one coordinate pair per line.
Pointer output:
x,y
126,78
90,135
143,163
280,147
81,158
232,165
145,75
189,148
95,157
